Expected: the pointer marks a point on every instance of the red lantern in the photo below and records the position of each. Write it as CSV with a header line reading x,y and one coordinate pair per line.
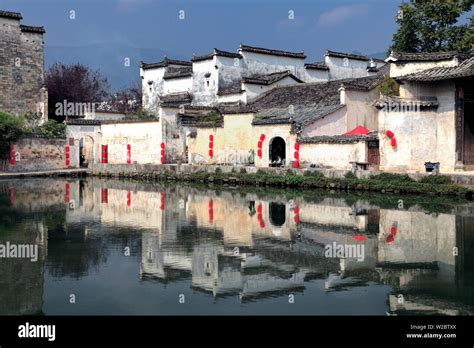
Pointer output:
x,y
262,137
259,208
259,153
211,153
162,152
260,144
296,164
393,230
390,239
297,155
389,134
394,142
297,146
211,144
296,210
162,159
211,137
162,145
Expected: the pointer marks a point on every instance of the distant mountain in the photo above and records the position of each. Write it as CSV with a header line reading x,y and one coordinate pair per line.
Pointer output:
x,y
379,55
109,59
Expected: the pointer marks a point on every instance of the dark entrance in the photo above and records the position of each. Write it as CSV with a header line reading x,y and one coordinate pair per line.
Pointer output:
x,y
277,214
468,142
277,152
373,153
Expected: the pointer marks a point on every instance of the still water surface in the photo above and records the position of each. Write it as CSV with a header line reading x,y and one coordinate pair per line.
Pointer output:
x,y
117,247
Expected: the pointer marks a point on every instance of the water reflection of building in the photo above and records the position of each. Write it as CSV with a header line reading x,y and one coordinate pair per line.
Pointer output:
x,y
231,243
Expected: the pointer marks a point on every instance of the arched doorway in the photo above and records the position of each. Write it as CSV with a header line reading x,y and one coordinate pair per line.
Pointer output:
x,y
86,151
277,214
277,152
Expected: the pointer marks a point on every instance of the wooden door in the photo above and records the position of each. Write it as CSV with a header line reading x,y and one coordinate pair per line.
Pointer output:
x,y
468,146
373,155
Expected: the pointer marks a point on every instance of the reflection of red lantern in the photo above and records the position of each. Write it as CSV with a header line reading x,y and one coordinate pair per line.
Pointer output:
x,y
211,211
259,208
296,210
393,230
390,239
359,238
129,199
211,137
296,164
297,146
162,199
389,134
211,153
394,142
259,153
262,137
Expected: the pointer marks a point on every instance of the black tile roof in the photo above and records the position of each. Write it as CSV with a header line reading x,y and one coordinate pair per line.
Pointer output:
x,y
178,72
401,104
317,66
338,139
226,88
346,55
463,70
246,48
30,29
216,52
302,104
131,119
175,99
403,57
8,14
268,79
164,63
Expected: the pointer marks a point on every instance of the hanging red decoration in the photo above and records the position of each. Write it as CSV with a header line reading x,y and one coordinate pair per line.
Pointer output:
x,y
296,164
359,238
297,146
162,145
297,155
162,152
389,134
211,137
211,153
390,239
393,230
162,160
262,137
393,142
259,153
260,144
211,145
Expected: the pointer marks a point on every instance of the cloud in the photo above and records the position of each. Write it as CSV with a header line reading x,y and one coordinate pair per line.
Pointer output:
x,y
340,14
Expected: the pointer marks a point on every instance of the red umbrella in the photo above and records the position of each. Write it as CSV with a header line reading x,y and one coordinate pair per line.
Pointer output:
x,y
359,130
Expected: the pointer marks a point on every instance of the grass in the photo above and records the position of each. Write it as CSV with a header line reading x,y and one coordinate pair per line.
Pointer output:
x,y
385,182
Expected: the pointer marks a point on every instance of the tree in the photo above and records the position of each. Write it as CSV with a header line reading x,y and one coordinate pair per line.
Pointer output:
x,y
127,100
433,25
11,128
73,83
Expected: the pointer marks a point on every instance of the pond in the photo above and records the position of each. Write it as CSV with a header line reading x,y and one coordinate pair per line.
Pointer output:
x,y
111,247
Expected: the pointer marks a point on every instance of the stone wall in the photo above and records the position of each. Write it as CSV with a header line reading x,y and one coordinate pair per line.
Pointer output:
x,y
40,154
21,69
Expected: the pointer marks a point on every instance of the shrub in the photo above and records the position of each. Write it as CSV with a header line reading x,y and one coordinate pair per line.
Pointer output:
x,y
350,175
436,179
52,129
11,129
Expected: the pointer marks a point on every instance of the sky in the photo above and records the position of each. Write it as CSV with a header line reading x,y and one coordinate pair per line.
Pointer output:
x,y
154,27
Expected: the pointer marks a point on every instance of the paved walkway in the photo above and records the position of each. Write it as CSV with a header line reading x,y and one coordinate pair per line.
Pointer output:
x,y
7,175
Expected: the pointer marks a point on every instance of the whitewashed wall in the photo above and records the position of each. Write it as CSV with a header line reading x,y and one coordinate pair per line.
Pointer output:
x,y
424,136
336,156
177,85
337,70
